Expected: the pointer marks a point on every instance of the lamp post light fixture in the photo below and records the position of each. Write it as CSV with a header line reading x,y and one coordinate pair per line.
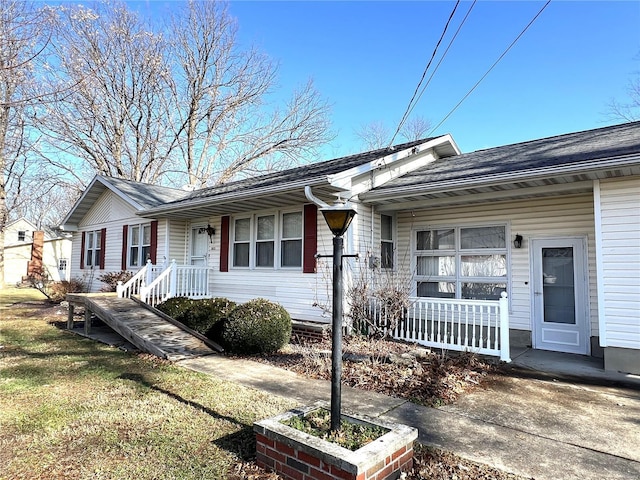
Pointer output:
x,y
338,218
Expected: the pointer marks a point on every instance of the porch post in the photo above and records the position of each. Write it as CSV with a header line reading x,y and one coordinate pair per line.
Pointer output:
x,y
149,272
505,354
173,279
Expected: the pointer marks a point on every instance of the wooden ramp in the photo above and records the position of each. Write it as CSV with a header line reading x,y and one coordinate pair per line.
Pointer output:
x,y
145,329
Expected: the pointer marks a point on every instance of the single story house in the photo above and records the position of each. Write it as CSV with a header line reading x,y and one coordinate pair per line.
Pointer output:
x,y
29,251
553,222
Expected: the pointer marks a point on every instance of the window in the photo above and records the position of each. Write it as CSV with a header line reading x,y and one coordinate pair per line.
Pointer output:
x,y
93,247
461,262
265,244
241,242
291,243
139,244
386,241
268,241
22,235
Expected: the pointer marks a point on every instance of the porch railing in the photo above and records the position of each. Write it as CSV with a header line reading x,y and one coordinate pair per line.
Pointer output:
x,y
155,284
479,326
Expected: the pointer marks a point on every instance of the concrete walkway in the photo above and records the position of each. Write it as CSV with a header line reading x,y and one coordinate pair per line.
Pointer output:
x,y
550,416
537,425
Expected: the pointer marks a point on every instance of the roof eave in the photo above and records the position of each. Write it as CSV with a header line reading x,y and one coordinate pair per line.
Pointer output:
x,y
234,196
593,165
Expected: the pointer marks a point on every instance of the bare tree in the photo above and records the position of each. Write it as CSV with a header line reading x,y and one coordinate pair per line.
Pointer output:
x,y
225,125
376,134
23,36
191,107
110,114
628,111
415,129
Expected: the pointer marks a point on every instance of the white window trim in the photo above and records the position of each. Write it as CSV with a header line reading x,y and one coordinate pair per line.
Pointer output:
x,y
233,242
141,261
457,253
253,240
281,238
392,241
95,261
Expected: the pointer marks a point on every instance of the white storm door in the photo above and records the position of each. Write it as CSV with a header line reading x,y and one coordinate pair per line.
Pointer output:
x,y
199,246
560,319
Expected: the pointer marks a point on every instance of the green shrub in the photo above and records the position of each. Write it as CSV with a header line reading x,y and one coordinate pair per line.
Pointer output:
x,y
199,315
258,326
176,307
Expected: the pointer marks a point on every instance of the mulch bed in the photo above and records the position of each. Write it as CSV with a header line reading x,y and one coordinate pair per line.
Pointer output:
x,y
392,368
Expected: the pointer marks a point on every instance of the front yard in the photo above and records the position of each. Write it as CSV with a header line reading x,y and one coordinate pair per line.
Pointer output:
x,y
73,408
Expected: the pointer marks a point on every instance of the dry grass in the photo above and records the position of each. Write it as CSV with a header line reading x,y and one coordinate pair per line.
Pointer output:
x,y
71,408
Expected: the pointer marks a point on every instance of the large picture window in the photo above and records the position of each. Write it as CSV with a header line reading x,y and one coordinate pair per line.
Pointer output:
x,y
271,240
461,262
139,244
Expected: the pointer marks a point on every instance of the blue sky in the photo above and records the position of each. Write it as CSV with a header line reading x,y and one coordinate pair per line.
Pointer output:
x,y
366,58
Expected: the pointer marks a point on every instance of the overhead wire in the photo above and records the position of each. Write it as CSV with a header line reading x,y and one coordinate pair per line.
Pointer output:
x,y
424,74
491,68
442,57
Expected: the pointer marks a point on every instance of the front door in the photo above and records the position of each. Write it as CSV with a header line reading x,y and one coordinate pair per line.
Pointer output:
x,y
199,246
561,321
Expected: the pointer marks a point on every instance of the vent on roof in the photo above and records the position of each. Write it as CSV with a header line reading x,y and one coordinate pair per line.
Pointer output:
x,y
189,188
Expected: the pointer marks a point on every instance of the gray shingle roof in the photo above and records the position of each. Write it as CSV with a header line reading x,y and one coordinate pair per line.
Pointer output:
x,y
573,149
145,194
310,172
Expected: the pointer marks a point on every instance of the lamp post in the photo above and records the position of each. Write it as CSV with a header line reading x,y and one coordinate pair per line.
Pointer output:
x,y
338,218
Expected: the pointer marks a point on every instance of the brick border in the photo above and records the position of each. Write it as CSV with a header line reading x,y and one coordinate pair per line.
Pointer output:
x,y
298,456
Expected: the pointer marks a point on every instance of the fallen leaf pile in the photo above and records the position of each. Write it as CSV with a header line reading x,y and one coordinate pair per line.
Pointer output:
x,y
389,367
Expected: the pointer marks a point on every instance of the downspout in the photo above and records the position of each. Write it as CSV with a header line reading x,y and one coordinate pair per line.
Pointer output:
x,y
313,199
602,314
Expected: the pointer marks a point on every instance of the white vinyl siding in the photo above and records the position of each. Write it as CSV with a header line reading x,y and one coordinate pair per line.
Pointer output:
x,y
620,248
177,242
306,296
533,218
112,213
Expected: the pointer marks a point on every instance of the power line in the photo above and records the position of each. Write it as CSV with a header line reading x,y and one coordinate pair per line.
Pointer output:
x,y
491,68
424,74
443,56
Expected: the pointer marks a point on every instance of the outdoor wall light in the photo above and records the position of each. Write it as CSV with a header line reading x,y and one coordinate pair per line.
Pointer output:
x,y
517,242
211,231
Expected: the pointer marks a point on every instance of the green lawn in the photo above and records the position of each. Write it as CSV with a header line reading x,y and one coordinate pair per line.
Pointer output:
x,y
73,408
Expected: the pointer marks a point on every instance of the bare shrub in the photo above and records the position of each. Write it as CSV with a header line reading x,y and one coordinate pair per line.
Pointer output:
x,y
111,280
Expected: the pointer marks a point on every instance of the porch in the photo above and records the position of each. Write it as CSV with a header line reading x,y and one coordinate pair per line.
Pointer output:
x,y
478,326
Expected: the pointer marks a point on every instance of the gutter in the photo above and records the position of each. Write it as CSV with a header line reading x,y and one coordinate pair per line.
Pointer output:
x,y
543,172
231,196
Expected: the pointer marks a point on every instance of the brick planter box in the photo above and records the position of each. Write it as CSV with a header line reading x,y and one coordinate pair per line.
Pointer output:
x,y
296,455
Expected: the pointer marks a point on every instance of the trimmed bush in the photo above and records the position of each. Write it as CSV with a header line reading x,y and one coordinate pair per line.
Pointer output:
x,y
199,315
258,326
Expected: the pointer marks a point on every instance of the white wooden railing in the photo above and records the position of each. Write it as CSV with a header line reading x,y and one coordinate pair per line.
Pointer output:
x,y
155,284
479,326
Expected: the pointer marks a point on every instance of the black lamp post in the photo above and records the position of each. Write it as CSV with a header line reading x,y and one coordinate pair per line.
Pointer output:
x,y
338,218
